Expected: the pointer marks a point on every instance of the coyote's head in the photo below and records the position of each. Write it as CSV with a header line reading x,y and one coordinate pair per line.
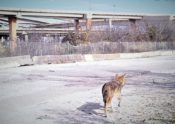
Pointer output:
x,y
121,79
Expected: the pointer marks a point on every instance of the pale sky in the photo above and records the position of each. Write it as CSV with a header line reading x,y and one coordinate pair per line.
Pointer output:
x,y
131,6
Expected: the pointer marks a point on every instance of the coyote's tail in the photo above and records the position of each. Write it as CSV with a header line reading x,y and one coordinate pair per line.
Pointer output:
x,y
105,94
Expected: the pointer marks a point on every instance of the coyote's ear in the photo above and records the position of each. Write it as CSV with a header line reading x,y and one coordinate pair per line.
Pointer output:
x,y
123,76
120,78
117,76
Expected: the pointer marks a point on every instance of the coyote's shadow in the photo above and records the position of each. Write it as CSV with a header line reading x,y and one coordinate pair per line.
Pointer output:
x,y
91,108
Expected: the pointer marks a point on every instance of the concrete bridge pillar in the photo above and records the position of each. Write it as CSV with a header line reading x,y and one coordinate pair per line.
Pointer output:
x,y
172,18
88,18
26,38
2,39
12,30
88,24
77,25
133,27
110,24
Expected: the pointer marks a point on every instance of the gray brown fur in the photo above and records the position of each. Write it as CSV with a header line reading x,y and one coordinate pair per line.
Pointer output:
x,y
112,88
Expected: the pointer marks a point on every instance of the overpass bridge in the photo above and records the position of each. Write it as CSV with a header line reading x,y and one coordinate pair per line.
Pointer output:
x,y
9,16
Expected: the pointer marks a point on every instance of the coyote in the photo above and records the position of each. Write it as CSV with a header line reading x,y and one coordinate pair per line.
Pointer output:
x,y
112,88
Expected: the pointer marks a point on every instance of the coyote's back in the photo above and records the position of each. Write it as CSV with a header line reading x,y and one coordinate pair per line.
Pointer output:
x,y
112,88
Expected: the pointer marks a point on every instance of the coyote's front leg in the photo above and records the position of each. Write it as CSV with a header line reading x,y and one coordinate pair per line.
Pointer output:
x,y
119,97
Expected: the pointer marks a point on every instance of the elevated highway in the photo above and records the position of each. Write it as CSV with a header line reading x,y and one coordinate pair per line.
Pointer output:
x,y
11,16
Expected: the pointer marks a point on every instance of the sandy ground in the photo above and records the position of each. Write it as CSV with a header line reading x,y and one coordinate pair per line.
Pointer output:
x,y
71,93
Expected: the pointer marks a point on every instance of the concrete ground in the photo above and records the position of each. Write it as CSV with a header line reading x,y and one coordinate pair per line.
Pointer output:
x,y
71,93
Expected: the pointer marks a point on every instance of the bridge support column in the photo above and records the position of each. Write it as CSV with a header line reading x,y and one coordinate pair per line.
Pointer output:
x,y
26,38
133,27
88,24
2,39
12,31
110,24
172,19
77,25
88,21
